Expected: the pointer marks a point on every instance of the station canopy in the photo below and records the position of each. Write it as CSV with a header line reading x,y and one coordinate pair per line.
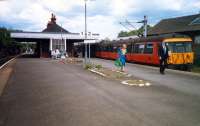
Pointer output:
x,y
53,31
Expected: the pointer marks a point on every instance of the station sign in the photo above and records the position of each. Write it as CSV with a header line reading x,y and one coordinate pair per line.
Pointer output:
x,y
90,41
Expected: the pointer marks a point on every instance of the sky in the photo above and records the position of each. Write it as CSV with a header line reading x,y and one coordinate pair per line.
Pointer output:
x,y
103,16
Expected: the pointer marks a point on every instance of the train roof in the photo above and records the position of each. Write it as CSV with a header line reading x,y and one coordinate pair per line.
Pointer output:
x,y
147,39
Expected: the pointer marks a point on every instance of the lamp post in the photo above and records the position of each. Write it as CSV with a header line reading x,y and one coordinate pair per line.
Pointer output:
x,y
85,31
86,48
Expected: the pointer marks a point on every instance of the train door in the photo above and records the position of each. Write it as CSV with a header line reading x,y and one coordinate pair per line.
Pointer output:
x,y
138,51
110,49
129,52
156,59
148,53
115,51
103,51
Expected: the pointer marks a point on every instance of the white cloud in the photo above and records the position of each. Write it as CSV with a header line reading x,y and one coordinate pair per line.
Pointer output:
x,y
122,8
61,5
4,8
35,13
105,25
194,5
166,4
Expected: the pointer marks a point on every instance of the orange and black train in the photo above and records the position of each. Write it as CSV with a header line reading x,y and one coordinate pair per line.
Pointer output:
x,y
145,50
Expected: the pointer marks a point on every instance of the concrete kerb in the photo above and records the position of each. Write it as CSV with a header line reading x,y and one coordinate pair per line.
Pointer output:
x,y
102,74
99,73
157,68
124,82
5,71
8,62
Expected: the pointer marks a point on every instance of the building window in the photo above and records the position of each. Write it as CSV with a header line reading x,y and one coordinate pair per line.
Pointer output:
x,y
58,44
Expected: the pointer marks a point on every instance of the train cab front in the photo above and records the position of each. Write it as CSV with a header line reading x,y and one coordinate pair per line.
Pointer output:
x,y
181,55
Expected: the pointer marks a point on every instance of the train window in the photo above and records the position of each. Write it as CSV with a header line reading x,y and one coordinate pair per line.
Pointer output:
x,y
115,48
171,47
141,48
97,48
132,47
107,49
110,49
148,48
180,47
138,48
188,47
129,48
135,48
103,48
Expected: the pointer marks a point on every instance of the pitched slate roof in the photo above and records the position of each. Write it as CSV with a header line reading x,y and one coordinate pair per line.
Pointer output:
x,y
177,25
53,27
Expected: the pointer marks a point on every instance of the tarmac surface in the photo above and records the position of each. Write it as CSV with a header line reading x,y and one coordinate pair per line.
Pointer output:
x,y
43,92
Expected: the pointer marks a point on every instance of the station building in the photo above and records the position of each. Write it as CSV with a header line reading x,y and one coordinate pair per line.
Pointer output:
x,y
51,38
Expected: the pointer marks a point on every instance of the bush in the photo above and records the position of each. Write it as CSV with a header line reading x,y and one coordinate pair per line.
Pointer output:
x,y
98,66
8,47
88,66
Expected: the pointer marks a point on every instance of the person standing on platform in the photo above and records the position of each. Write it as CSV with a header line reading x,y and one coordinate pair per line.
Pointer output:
x,y
122,56
163,56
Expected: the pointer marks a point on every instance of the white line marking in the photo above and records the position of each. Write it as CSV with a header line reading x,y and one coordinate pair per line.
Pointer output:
x,y
125,82
141,85
97,72
147,84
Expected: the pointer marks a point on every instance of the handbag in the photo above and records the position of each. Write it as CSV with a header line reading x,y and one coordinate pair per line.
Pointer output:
x,y
118,63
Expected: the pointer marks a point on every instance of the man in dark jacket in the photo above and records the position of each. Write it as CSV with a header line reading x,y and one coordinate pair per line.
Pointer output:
x,y
163,55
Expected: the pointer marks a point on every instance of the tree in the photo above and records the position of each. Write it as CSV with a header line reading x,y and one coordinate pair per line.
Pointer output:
x,y
138,32
5,38
123,34
8,47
